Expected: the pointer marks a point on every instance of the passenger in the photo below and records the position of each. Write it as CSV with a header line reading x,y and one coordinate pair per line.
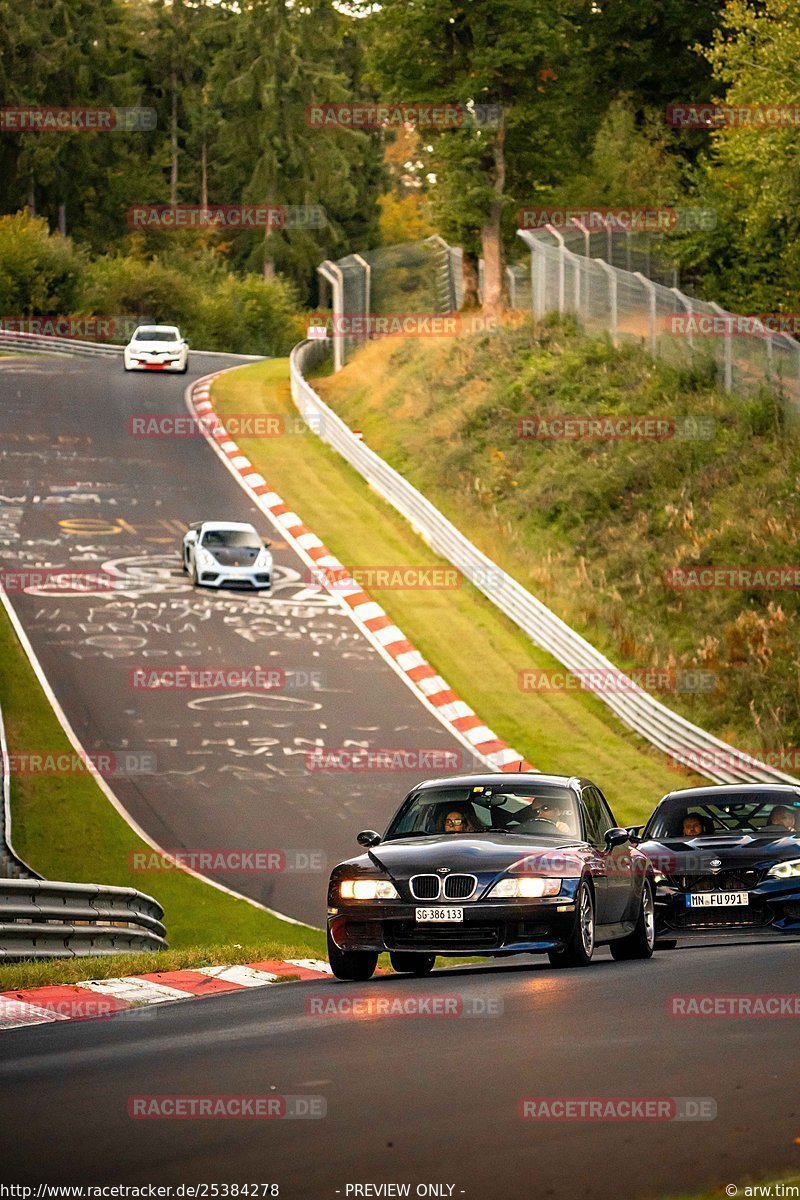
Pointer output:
x,y
693,826
457,821
783,816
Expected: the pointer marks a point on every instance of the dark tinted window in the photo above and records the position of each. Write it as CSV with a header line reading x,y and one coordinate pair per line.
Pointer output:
x,y
598,816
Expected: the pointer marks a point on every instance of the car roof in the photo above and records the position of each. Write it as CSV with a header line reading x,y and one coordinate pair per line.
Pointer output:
x,y
729,789
157,329
487,778
225,525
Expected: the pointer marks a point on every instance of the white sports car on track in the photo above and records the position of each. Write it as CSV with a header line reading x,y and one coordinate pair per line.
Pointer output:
x,y
157,348
226,553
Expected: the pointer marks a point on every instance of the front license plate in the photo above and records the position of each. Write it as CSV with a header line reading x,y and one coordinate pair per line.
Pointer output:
x,y
717,899
440,914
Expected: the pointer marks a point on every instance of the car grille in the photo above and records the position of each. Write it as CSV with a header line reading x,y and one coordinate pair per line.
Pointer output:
x,y
407,936
741,880
424,887
451,887
459,887
754,916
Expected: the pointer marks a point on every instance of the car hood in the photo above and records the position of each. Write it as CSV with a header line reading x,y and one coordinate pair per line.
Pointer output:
x,y
483,853
678,856
234,556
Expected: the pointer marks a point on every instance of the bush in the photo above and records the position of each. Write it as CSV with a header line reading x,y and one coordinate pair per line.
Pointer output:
x,y
40,272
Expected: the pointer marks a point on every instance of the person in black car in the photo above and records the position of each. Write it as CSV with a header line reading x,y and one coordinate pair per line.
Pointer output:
x,y
458,821
782,816
693,826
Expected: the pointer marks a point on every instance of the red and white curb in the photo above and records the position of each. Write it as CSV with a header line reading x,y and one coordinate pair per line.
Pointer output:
x,y
104,997
378,627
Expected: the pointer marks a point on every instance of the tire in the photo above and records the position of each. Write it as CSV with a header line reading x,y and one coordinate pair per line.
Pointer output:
x,y
641,942
580,948
184,567
412,964
193,574
354,965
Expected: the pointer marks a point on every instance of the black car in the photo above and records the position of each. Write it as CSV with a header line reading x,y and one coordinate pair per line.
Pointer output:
x,y
491,864
726,862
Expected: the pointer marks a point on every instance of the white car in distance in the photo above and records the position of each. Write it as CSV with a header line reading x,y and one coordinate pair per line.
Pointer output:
x,y
227,553
157,348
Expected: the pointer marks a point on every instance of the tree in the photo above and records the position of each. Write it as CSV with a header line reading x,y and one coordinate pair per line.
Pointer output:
x,y
487,53
751,175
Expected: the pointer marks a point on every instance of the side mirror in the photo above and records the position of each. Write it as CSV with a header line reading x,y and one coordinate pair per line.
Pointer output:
x,y
191,536
368,837
635,833
267,543
616,837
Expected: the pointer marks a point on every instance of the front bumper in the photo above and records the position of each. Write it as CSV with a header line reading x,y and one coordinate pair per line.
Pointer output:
x,y
139,364
242,577
489,927
773,911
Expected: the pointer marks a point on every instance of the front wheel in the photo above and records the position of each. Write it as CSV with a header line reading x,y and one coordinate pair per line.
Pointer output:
x,y
412,964
580,947
354,965
641,942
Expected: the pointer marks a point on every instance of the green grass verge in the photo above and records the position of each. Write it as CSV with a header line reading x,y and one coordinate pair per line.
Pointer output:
x,y
66,829
476,649
14,976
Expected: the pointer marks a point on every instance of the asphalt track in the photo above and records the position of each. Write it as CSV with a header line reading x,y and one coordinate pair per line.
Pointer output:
x,y
423,1100
202,771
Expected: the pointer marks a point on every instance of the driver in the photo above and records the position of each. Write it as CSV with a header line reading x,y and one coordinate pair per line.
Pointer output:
x,y
693,826
781,815
554,813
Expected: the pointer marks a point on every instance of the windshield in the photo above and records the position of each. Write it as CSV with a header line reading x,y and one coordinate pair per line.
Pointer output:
x,y
155,335
767,813
546,810
232,537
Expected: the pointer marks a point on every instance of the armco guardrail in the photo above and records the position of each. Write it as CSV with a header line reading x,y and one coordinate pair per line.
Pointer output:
x,y
11,865
42,343
668,731
39,919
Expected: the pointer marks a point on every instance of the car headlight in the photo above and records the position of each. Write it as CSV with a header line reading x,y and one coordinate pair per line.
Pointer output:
x,y
785,870
525,887
264,559
367,889
205,557
659,877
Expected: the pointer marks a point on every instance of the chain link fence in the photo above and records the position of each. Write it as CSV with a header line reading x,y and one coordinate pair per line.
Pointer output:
x,y
579,270
410,279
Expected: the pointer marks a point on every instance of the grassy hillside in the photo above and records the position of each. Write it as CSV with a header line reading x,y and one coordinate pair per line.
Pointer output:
x,y
593,526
